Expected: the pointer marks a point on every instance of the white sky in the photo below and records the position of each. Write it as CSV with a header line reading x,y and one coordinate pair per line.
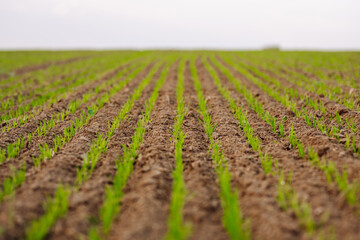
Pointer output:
x,y
226,24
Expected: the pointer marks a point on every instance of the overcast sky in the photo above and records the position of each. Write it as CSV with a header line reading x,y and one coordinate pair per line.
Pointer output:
x,y
226,24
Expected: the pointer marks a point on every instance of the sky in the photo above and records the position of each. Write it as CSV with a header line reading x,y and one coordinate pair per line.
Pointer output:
x,y
180,24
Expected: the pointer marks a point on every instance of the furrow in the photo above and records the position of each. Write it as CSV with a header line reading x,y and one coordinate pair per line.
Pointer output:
x,y
324,146
333,115
62,169
48,93
31,148
84,204
145,205
42,66
24,113
328,206
257,190
203,207
234,223
55,111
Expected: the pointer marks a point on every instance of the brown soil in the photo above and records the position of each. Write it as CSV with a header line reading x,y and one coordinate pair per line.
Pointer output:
x,y
29,100
42,66
331,106
76,92
331,74
40,88
85,204
203,208
60,169
327,147
309,182
257,191
14,133
24,89
32,149
144,209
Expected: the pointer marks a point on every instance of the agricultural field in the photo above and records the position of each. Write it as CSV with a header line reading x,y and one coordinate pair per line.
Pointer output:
x,y
179,145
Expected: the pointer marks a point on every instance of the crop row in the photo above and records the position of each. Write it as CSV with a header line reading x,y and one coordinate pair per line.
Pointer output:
x,y
13,63
40,227
40,81
309,118
25,88
176,227
13,149
269,165
233,81
69,132
317,105
321,85
338,69
232,218
287,197
19,116
124,167
328,167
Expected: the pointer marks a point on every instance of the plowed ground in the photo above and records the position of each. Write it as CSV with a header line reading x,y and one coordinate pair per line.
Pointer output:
x,y
145,202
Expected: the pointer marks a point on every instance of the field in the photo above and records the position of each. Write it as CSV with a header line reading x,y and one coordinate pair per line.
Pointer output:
x,y
179,145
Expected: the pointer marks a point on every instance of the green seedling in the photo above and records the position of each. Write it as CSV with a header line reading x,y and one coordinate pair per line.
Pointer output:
x,y
2,156
301,150
54,209
176,227
347,143
233,221
91,112
266,162
281,129
351,125
124,167
12,182
289,200
292,137
338,119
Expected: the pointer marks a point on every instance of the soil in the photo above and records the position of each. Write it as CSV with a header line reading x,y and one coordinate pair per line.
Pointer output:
x,y
32,149
43,182
42,66
85,203
145,205
203,208
13,134
59,80
329,148
309,182
25,90
332,107
257,191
